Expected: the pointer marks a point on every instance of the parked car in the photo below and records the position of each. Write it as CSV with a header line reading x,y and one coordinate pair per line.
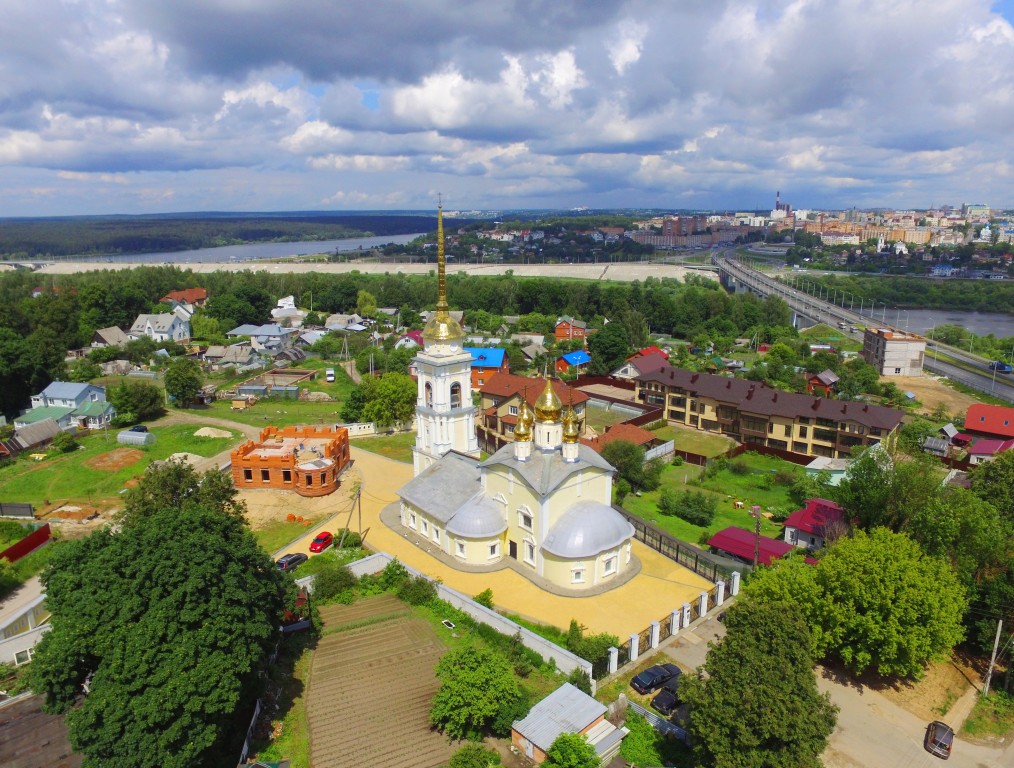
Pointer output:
x,y
138,428
654,678
939,739
291,561
667,700
321,541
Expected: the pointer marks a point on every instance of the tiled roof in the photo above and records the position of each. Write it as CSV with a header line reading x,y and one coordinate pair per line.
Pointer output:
x,y
815,516
990,447
508,384
565,710
990,419
187,295
758,398
648,352
629,432
65,390
740,542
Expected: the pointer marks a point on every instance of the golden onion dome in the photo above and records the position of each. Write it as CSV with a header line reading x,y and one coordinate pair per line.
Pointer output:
x,y
442,327
548,406
523,430
571,425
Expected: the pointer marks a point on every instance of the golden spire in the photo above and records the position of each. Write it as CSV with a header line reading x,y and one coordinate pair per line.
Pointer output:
x,y
571,428
442,327
548,406
523,431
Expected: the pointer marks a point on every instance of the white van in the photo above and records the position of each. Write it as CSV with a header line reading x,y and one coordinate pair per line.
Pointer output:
x,y
329,374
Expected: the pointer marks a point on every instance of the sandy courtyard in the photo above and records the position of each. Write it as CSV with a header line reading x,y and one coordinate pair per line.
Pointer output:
x,y
931,392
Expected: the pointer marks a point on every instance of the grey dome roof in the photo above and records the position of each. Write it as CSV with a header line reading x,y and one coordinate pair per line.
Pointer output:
x,y
586,529
477,519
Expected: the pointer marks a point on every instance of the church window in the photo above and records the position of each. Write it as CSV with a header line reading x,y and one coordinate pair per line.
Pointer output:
x,y
460,548
455,395
529,553
424,527
494,550
436,534
525,520
411,520
429,395
577,575
609,565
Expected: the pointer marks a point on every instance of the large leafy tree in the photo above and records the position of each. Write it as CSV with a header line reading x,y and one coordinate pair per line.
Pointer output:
x,y
571,750
175,485
628,459
476,684
183,380
160,632
757,703
389,399
874,601
994,482
608,349
136,400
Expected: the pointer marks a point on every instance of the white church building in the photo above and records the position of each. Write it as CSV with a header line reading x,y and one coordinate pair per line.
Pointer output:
x,y
543,501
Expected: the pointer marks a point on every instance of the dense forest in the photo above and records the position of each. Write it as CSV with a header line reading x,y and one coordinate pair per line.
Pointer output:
x,y
921,293
109,235
36,332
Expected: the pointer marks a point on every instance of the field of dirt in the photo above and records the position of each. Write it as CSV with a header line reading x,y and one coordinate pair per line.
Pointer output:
x,y
370,688
115,459
267,506
931,392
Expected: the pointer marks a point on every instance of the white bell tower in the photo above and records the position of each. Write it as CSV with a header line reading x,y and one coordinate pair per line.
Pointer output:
x,y
445,416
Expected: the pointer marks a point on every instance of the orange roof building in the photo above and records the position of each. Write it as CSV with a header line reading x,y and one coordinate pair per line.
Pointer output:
x,y
622,431
195,297
307,460
992,420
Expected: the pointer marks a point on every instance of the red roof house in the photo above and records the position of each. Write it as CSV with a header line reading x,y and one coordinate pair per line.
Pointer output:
x,y
629,432
987,450
195,297
739,543
992,420
648,351
807,527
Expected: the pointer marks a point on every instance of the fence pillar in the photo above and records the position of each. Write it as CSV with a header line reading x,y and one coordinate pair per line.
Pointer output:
x,y
674,621
734,588
704,604
720,593
614,659
634,638
686,615
654,634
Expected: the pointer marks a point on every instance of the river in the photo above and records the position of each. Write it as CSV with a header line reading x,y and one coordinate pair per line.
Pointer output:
x,y
253,251
922,320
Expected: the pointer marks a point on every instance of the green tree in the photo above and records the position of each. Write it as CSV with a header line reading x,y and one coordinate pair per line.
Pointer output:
x,y
865,492
83,370
757,704
693,506
390,399
628,459
994,482
874,601
136,401
170,623
64,442
608,349
183,380
366,304
475,685
571,750
475,756
175,485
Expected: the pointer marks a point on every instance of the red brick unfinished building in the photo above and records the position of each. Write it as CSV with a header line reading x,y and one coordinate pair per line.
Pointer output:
x,y
307,460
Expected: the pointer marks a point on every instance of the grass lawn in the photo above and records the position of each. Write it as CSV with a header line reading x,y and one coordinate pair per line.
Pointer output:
x,y
69,476
992,718
599,418
278,533
280,413
397,447
756,487
695,441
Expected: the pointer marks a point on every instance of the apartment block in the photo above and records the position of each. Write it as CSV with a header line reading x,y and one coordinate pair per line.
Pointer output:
x,y
893,352
756,414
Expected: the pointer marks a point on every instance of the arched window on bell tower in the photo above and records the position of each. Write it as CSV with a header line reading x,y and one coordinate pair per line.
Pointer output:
x,y
429,395
455,395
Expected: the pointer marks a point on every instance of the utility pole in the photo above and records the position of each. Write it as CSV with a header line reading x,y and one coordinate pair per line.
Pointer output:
x,y
755,510
992,661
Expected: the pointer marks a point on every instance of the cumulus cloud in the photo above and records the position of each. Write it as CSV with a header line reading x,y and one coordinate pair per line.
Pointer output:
x,y
226,105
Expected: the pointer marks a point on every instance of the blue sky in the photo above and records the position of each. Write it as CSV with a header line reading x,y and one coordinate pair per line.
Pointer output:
x,y
133,106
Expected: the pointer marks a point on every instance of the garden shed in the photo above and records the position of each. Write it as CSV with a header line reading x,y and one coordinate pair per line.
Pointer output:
x,y
287,393
254,390
128,437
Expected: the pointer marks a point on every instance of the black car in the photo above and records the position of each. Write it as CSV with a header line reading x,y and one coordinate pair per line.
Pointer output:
x,y
139,428
939,739
654,678
667,701
290,561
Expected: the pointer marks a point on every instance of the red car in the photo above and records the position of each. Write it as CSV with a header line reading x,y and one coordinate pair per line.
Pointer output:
x,y
322,541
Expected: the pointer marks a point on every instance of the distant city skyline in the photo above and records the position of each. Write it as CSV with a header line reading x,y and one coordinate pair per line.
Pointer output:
x,y
142,106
